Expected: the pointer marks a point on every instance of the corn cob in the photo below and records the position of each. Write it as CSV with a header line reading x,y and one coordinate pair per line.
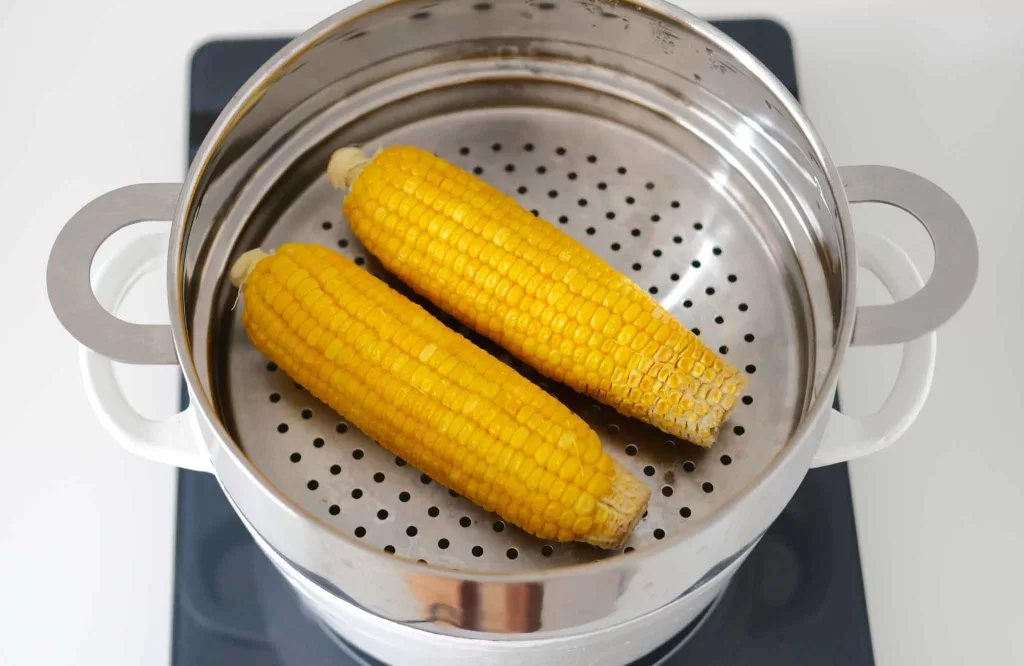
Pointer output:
x,y
533,289
430,396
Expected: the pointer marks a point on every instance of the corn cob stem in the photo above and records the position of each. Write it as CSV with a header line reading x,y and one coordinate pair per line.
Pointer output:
x,y
429,395
533,289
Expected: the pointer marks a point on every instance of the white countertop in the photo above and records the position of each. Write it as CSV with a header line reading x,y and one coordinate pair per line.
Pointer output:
x,y
95,97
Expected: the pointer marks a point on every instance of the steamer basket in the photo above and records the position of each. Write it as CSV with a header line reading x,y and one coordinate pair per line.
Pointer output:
x,y
709,279
642,132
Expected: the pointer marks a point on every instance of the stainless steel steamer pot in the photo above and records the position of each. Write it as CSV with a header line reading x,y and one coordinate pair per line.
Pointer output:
x,y
642,131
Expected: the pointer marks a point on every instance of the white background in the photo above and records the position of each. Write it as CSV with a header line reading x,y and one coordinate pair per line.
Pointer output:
x,y
94,97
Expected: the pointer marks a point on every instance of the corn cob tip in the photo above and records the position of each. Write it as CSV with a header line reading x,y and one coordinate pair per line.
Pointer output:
x,y
627,504
345,166
244,266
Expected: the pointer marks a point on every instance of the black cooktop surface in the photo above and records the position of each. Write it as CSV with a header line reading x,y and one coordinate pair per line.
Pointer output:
x,y
798,599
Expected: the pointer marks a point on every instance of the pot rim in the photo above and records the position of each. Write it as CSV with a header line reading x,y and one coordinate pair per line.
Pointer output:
x,y
798,441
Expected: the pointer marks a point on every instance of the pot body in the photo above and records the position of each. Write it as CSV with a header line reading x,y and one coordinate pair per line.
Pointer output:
x,y
674,95
397,643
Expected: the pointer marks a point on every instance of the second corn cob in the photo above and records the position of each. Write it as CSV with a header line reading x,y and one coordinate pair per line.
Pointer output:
x,y
476,253
427,394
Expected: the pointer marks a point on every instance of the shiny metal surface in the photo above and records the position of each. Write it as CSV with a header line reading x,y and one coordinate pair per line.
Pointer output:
x,y
645,87
402,643
68,283
956,254
667,649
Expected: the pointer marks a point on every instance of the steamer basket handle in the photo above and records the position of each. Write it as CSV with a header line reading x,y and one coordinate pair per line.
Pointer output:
x,y
848,437
954,243
68,269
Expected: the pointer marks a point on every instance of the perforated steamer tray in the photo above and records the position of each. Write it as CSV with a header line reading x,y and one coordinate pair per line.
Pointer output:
x,y
656,217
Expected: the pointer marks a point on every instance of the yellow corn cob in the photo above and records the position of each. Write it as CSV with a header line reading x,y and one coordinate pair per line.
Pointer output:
x,y
534,290
432,397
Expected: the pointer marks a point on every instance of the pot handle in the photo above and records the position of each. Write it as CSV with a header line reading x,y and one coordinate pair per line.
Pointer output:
x,y
68,269
848,437
171,441
954,243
